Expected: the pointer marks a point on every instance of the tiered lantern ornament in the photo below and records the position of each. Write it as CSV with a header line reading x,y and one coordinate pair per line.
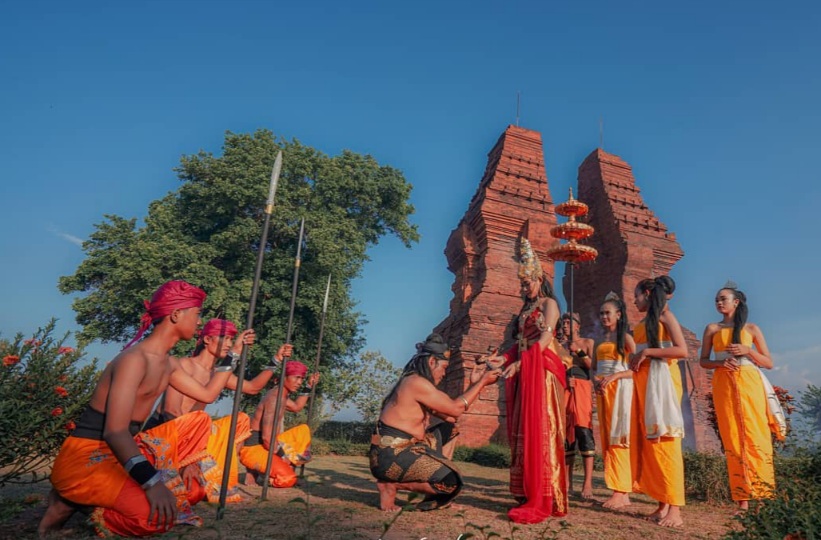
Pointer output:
x,y
572,252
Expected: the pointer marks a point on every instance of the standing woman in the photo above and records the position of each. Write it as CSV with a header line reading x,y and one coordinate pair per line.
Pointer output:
x,y
740,395
614,396
534,393
657,426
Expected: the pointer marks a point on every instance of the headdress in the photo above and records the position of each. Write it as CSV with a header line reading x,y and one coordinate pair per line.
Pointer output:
x,y
295,367
217,327
170,296
529,265
434,345
730,285
575,316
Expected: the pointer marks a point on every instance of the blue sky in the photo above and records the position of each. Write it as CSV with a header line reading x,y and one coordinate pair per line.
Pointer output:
x,y
714,104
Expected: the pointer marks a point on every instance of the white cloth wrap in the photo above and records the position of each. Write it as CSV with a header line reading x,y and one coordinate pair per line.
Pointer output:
x,y
662,408
622,403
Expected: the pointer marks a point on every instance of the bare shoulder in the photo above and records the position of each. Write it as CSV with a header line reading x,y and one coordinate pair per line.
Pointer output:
x,y
668,317
712,328
752,328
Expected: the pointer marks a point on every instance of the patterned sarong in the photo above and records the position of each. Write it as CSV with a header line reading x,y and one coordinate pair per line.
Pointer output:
x,y
398,457
217,449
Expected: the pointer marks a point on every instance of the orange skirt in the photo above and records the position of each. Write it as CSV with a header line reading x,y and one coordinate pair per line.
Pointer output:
x,y
86,472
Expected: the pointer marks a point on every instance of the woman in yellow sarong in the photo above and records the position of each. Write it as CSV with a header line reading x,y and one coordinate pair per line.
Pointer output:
x,y
657,426
741,397
614,396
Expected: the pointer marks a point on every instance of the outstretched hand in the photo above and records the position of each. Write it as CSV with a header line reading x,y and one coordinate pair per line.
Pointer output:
x,y
246,337
481,373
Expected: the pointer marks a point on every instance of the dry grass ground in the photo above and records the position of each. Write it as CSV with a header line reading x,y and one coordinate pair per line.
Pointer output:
x,y
340,502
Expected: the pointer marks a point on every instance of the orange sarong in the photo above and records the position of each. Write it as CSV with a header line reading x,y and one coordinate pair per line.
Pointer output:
x,y
294,445
741,410
657,463
618,474
217,449
86,472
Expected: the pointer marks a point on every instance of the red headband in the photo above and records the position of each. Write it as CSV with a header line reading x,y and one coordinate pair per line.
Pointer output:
x,y
170,296
295,367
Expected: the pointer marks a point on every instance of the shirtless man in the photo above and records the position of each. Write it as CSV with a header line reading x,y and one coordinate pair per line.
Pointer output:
x,y
217,340
293,446
403,436
106,463
579,403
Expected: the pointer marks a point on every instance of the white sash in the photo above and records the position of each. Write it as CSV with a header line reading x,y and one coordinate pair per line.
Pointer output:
x,y
622,402
662,410
773,405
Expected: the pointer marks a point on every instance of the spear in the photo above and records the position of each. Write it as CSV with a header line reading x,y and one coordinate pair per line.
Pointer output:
x,y
278,408
319,350
316,362
232,431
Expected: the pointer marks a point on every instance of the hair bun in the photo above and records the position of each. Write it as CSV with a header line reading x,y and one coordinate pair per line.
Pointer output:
x,y
612,296
666,283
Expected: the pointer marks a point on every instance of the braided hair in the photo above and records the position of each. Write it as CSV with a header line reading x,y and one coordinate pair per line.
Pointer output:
x,y
657,290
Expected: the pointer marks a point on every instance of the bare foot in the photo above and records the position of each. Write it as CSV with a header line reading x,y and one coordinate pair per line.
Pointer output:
x,y
387,497
673,518
617,500
587,491
659,514
57,513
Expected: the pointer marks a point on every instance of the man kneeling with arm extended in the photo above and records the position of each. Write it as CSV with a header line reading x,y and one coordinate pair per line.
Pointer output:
x,y
406,451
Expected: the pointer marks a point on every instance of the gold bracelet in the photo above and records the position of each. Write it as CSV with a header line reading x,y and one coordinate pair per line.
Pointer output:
x,y
467,405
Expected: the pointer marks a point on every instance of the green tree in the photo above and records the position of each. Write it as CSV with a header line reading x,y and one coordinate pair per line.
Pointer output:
x,y
365,382
207,232
810,406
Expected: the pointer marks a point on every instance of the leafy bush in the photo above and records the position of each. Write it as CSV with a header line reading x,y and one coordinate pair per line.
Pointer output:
x,y
357,432
43,390
706,477
338,447
491,455
795,511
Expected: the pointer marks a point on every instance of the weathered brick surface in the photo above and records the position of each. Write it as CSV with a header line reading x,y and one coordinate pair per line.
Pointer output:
x,y
512,198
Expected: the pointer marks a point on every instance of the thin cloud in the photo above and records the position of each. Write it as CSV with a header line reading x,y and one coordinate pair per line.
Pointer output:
x,y
65,236
796,369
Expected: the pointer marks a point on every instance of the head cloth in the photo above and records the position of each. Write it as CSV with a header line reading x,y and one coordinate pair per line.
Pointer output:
x,y
217,327
170,296
295,367
434,345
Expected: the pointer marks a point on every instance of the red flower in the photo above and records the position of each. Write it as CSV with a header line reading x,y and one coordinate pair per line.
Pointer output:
x,y
10,360
60,391
70,426
33,342
56,411
65,350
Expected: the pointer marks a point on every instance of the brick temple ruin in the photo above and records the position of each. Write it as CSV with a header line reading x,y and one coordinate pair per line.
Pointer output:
x,y
513,198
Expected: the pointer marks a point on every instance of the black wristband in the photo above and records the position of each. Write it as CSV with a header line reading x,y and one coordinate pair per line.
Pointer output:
x,y
580,353
227,363
142,472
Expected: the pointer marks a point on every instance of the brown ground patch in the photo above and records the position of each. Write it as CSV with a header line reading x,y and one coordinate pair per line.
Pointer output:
x,y
339,502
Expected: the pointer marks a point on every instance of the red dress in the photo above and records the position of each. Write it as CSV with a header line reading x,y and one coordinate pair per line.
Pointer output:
x,y
535,424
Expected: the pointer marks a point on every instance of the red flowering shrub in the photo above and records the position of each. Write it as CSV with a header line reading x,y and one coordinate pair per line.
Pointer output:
x,y
44,386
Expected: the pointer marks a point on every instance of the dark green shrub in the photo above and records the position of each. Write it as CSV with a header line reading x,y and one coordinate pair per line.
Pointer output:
x,y
491,455
705,477
356,432
338,447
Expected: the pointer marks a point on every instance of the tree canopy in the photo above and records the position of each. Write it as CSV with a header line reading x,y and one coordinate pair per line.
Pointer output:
x,y
207,232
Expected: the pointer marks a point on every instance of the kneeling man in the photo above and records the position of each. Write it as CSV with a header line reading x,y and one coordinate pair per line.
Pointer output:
x,y
406,450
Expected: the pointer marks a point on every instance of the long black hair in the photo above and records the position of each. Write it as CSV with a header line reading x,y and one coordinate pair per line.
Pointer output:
x,y
657,289
621,323
434,345
741,312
